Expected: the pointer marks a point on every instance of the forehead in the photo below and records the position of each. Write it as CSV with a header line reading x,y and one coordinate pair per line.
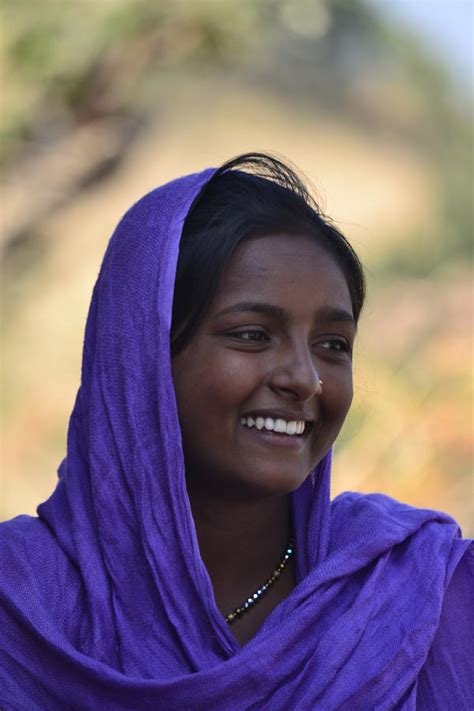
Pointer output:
x,y
281,267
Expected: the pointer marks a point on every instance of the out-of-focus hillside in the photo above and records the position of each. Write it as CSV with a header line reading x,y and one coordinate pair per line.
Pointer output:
x,y
103,105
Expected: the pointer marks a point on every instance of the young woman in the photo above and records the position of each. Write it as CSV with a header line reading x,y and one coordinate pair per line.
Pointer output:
x,y
190,557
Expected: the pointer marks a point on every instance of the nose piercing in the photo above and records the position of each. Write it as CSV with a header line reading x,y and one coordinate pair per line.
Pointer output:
x,y
321,383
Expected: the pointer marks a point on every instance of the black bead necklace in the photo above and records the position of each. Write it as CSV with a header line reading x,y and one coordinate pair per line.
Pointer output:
x,y
260,592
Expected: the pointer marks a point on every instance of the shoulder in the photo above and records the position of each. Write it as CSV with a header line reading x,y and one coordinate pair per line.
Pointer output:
x,y
23,538
379,506
35,569
417,541
359,517
431,569
447,676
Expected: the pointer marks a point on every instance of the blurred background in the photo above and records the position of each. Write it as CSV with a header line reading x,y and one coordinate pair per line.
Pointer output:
x,y
103,100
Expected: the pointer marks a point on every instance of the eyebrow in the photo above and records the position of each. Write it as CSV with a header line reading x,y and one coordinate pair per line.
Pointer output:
x,y
325,313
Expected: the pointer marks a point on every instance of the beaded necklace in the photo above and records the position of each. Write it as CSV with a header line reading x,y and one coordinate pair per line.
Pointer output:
x,y
258,594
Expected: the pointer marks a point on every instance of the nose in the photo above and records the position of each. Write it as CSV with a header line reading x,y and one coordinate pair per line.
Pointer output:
x,y
295,374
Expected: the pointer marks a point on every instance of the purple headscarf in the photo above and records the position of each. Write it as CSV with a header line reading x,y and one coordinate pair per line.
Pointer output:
x,y
105,601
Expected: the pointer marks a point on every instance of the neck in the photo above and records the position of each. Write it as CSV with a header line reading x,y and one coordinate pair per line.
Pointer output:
x,y
240,543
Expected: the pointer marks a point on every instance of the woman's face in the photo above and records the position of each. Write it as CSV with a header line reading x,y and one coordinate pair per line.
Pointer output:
x,y
280,321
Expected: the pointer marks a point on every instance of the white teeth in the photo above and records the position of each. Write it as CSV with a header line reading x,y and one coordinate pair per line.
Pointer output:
x,y
278,425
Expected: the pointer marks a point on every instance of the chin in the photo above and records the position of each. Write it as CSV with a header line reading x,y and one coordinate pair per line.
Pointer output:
x,y
268,484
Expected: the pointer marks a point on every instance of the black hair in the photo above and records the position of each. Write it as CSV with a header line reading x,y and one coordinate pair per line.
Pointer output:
x,y
252,195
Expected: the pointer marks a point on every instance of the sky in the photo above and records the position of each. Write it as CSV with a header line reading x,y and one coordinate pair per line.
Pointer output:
x,y
446,27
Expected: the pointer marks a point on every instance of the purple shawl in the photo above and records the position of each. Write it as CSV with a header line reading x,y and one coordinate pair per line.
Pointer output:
x,y
105,601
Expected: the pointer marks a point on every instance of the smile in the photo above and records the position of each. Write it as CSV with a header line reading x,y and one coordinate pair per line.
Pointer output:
x,y
280,426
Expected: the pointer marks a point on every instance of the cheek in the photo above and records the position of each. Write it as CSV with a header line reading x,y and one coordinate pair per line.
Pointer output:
x,y
348,393
224,393
338,398
231,374
215,390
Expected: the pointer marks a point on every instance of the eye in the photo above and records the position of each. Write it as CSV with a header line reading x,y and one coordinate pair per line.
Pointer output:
x,y
250,335
336,345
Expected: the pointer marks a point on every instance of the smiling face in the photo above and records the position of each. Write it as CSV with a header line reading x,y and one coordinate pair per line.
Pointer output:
x,y
280,321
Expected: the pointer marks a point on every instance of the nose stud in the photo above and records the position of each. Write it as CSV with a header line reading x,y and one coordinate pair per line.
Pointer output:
x,y
320,386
